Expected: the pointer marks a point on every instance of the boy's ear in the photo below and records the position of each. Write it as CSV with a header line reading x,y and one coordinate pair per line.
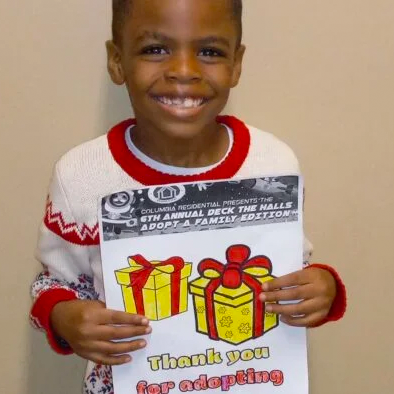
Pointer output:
x,y
237,71
114,63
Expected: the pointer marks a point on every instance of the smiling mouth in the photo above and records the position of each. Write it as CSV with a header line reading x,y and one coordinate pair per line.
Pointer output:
x,y
181,102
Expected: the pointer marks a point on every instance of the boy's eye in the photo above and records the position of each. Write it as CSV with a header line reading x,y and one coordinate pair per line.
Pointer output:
x,y
211,52
154,50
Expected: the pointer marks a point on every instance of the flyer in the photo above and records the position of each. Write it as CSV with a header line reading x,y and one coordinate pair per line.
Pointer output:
x,y
192,258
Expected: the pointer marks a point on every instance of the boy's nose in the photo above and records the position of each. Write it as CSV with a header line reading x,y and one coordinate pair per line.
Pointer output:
x,y
184,68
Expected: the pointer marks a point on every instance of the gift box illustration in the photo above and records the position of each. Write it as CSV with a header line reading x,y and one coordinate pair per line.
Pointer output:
x,y
155,289
225,297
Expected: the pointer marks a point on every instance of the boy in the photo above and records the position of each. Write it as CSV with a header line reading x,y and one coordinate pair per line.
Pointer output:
x,y
178,59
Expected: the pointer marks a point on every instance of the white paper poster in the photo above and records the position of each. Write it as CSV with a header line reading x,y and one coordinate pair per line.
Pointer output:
x,y
192,258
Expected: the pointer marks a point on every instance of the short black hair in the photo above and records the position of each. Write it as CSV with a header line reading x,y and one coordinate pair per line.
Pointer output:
x,y
121,8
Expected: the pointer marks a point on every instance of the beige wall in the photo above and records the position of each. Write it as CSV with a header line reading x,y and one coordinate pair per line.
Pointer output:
x,y
319,74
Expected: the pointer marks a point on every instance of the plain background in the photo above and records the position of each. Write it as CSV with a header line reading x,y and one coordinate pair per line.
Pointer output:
x,y
318,74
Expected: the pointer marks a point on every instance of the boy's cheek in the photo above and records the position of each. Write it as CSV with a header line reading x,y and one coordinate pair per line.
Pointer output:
x,y
139,73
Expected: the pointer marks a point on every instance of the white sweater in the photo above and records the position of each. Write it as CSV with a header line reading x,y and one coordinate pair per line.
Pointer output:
x,y
68,244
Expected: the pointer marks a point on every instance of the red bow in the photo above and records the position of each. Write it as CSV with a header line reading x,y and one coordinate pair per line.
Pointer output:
x,y
231,276
139,278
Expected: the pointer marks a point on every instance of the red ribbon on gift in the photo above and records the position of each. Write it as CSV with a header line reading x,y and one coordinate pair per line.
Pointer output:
x,y
139,278
231,276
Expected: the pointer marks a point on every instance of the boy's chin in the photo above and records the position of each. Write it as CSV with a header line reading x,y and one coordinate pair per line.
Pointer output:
x,y
186,130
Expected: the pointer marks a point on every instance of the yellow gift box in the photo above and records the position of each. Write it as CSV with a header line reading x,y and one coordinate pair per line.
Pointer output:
x,y
155,289
225,297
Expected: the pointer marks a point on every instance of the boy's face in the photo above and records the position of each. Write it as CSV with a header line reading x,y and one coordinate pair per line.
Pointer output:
x,y
179,59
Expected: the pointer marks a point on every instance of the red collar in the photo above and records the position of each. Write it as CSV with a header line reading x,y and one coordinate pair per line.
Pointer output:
x,y
149,176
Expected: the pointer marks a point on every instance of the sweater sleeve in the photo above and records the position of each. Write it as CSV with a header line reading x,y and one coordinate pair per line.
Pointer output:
x,y
63,250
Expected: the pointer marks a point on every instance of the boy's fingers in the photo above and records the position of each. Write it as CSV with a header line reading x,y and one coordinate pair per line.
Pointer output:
x,y
109,333
103,359
117,348
118,317
301,308
292,294
297,278
303,321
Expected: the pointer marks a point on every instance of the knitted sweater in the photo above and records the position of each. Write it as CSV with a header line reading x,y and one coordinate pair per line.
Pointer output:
x,y
68,244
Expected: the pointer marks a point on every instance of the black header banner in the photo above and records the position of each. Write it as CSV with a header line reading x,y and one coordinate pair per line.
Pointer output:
x,y
200,206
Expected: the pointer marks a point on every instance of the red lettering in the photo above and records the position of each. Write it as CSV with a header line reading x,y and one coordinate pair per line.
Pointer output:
x,y
227,382
186,385
166,387
214,383
201,383
277,377
262,377
154,389
141,387
241,377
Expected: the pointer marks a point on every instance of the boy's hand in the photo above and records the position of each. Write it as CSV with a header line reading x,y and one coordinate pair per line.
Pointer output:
x,y
314,288
89,328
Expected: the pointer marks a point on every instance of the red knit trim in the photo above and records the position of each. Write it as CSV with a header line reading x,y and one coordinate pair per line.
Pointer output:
x,y
149,176
70,232
338,307
41,312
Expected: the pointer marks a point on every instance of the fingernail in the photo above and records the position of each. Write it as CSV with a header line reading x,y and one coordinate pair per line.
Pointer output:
x,y
144,321
265,286
263,297
142,344
148,330
268,308
128,359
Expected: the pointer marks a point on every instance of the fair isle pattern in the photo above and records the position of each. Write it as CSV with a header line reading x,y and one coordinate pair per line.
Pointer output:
x,y
83,288
70,232
99,381
34,320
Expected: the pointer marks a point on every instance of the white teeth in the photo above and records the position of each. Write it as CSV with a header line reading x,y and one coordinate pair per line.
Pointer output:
x,y
190,103
187,102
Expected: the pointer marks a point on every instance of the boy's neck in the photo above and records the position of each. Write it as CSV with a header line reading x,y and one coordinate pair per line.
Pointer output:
x,y
206,149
